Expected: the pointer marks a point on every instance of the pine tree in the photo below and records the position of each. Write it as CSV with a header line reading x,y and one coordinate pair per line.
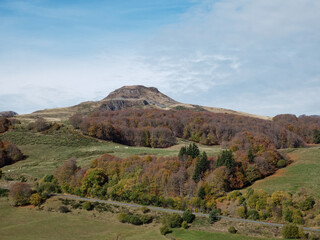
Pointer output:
x,y
201,166
226,159
250,155
182,152
201,192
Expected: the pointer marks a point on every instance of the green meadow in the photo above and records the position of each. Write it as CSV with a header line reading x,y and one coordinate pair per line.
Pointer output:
x,y
46,151
302,173
26,223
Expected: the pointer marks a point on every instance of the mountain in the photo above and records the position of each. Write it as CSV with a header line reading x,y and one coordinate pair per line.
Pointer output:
x,y
128,97
8,114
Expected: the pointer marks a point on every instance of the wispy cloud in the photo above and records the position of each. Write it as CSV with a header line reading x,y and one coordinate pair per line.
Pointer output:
x,y
249,55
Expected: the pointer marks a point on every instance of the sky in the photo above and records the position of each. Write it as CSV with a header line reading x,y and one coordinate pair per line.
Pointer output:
x,y
255,56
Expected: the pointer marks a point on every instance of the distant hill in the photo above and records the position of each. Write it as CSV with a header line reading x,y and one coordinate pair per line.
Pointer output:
x,y
8,114
130,97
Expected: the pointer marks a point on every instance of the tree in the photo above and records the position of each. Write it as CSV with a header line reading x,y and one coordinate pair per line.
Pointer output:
x,y
250,155
193,150
64,173
188,216
213,215
201,192
316,136
20,194
201,166
226,159
35,199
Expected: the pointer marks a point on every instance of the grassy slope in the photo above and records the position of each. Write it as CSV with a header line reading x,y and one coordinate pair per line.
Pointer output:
x,y
302,173
47,151
191,235
26,223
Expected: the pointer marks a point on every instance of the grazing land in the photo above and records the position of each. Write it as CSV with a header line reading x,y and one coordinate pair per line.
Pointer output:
x,y
302,173
45,152
28,223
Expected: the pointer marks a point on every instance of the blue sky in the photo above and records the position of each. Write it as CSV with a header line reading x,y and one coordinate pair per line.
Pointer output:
x,y
256,56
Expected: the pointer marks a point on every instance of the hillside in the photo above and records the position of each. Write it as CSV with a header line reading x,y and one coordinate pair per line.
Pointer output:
x,y
129,97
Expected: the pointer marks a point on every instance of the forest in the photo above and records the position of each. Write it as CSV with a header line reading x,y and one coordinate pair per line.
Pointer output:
x,y
160,128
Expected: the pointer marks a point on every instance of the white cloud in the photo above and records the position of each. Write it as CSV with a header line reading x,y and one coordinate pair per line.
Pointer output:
x,y
249,55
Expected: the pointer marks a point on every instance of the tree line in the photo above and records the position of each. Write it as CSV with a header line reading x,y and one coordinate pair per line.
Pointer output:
x,y
160,128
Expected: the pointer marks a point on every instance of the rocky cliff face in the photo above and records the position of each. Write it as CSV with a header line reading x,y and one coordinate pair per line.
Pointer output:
x,y
137,96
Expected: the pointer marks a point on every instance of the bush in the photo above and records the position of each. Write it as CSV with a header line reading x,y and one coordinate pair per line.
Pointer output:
x,y
129,218
35,199
20,194
122,217
253,214
144,209
87,206
172,220
4,192
307,204
290,231
135,220
242,212
213,216
287,215
64,209
281,163
184,225
145,219
164,229
232,230
188,216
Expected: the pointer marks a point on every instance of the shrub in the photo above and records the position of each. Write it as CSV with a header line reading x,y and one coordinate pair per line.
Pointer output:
x,y
184,225
242,212
35,199
122,217
290,231
172,220
64,209
232,230
87,206
129,218
4,192
20,194
253,214
145,219
135,220
281,163
164,229
287,215
297,217
213,216
188,216
307,204
144,209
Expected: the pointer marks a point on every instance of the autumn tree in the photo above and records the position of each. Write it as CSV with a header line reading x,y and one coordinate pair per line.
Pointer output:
x,y
65,172
20,194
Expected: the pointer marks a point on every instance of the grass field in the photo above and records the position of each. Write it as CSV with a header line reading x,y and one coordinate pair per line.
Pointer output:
x,y
27,223
302,173
192,235
45,152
